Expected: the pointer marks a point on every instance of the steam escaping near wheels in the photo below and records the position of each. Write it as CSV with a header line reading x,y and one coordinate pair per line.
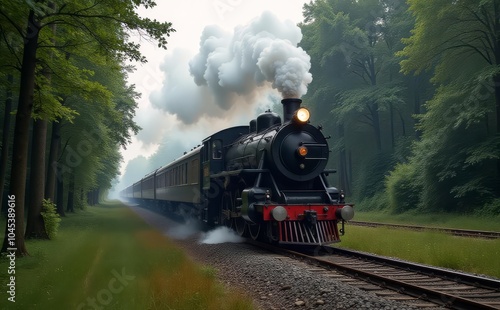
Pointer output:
x,y
220,235
183,231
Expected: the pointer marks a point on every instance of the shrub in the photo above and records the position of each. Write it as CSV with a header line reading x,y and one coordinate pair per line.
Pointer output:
x,y
369,180
490,209
377,202
50,218
402,188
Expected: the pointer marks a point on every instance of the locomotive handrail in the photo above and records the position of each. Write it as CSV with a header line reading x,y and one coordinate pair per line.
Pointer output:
x,y
236,172
314,144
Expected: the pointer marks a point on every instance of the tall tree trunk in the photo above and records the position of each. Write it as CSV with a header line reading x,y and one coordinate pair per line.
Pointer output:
x,y
496,81
89,198
71,194
393,139
343,169
95,196
55,141
417,101
60,193
403,123
35,227
376,125
4,157
52,172
21,136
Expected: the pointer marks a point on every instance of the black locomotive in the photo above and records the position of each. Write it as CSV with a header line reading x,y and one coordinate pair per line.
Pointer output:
x,y
266,180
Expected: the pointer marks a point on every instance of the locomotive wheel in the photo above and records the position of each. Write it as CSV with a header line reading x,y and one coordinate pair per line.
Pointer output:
x,y
239,223
227,206
241,226
254,231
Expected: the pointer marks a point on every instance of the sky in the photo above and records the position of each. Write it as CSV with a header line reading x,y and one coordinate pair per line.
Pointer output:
x,y
180,104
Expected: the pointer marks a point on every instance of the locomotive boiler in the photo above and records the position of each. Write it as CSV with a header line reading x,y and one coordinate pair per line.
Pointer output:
x,y
266,180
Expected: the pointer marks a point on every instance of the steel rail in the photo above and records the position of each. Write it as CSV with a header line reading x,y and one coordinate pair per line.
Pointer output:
x,y
454,231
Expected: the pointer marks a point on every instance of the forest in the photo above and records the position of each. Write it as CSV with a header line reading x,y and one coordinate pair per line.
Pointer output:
x,y
408,90
410,93
67,107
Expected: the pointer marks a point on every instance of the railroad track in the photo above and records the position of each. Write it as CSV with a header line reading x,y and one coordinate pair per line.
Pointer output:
x,y
413,284
452,231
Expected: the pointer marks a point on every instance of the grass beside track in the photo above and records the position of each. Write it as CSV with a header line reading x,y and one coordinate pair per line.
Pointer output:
x,y
443,220
426,247
108,258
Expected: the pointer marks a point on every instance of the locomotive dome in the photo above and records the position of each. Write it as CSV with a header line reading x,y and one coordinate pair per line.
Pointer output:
x,y
267,120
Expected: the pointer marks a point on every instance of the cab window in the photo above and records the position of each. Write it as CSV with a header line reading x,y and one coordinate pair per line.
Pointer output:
x,y
217,149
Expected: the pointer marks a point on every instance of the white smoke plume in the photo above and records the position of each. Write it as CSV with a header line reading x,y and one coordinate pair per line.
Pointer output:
x,y
264,52
179,95
220,235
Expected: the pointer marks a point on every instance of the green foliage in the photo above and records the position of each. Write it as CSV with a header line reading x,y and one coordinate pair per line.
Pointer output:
x,y
491,209
359,99
446,32
456,151
50,218
370,178
377,203
402,188
454,166
403,149
440,171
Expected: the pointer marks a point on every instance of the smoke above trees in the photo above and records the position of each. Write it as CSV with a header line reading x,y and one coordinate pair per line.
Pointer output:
x,y
232,68
260,53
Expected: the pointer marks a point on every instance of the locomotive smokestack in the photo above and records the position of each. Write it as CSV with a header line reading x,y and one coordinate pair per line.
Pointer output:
x,y
290,105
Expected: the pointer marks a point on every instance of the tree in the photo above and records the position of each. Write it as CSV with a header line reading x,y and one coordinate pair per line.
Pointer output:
x,y
35,226
4,161
21,131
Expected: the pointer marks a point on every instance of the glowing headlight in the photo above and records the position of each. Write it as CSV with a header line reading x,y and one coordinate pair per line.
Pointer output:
x,y
302,150
302,115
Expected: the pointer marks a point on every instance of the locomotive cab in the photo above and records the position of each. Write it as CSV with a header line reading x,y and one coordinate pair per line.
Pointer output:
x,y
214,151
213,156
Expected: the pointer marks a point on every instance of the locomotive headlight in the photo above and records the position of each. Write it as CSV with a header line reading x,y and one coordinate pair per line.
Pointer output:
x,y
302,115
279,213
302,151
347,213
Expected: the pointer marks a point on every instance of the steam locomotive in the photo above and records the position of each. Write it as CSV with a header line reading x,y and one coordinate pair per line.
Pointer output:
x,y
266,180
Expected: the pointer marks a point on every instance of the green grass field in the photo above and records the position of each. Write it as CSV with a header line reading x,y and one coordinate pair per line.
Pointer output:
x,y
434,220
108,258
432,248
